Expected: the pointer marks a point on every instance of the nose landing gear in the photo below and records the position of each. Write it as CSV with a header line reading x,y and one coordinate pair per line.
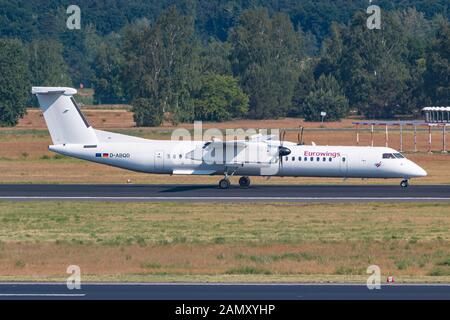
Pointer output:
x,y
224,183
404,183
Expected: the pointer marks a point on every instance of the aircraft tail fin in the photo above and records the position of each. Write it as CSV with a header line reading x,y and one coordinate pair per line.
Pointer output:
x,y
63,117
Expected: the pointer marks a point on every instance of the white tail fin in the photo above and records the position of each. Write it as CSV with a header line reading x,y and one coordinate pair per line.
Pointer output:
x,y
66,123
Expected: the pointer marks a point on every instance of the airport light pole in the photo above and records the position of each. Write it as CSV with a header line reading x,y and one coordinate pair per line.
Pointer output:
x,y
323,114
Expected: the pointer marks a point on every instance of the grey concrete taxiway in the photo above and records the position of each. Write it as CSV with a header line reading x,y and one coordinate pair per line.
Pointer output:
x,y
267,193
147,291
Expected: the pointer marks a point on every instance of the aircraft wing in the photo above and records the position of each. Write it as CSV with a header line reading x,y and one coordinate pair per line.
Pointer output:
x,y
240,144
234,152
201,153
263,138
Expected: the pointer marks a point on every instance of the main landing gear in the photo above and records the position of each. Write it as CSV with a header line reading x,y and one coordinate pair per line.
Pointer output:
x,y
404,184
244,182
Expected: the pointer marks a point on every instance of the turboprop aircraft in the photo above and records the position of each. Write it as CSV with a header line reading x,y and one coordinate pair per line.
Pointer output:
x,y
256,156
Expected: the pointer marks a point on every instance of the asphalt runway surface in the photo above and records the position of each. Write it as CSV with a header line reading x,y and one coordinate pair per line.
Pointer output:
x,y
147,291
264,193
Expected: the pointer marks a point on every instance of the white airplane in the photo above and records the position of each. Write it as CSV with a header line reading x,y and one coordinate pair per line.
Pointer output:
x,y
257,156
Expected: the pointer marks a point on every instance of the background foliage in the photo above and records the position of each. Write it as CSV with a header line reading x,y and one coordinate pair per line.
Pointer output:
x,y
221,59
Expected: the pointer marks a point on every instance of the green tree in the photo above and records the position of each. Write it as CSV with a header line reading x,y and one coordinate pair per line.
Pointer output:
x,y
215,58
437,77
265,56
46,63
331,54
303,87
328,97
147,113
107,68
220,98
14,81
159,63
372,66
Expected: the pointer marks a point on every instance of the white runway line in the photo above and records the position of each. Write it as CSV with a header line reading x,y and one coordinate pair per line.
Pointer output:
x,y
230,198
41,295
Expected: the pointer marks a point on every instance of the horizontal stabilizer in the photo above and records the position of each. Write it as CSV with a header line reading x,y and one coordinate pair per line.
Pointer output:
x,y
54,90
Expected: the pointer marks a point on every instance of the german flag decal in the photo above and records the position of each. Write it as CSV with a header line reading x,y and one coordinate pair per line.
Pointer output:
x,y
102,155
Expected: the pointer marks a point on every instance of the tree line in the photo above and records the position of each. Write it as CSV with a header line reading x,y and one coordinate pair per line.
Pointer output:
x,y
181,62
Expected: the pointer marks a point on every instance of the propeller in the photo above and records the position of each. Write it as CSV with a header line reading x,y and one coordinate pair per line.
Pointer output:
x,y
282,151
300,136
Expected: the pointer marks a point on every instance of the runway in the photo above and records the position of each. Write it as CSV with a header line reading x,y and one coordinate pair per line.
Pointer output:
x,y
256,193
147,291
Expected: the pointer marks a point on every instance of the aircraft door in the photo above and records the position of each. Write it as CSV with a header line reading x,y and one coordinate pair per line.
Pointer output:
x,y
159,160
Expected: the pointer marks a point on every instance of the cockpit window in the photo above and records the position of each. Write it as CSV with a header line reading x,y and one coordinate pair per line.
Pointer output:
x,y
388,156
399,155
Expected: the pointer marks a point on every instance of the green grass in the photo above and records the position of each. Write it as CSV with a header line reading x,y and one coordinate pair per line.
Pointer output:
x,y
25,132
171,223
226,241
248,270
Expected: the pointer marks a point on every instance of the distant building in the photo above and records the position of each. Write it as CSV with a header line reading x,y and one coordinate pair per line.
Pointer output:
x,y
437,114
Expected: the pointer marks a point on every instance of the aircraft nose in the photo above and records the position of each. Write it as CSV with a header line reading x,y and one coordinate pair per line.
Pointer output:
x,y
415,170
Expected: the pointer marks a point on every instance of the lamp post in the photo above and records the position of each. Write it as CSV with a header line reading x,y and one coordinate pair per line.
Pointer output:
x,y
323,115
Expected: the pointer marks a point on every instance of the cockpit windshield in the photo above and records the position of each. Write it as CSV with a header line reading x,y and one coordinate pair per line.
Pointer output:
x,y
393,156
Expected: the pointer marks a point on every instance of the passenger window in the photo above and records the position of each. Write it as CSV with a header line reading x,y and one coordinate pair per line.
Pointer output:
x,y
287,159
324,159
312,158
181,156
330,159
306,158
168,156
388,156
343,159
174,156
318,159
299,158
293,158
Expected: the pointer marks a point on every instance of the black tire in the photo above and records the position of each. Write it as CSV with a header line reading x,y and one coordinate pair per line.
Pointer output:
x,y
244,182
404,184
224,184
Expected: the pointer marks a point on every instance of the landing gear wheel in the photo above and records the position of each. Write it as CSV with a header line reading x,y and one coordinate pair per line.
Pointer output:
x,y
404,184
224,184
244,182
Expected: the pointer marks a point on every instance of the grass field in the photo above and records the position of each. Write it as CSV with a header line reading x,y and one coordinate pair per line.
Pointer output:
x,y
224,242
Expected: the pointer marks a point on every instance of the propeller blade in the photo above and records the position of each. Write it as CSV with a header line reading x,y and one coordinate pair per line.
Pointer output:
x,y
282,152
